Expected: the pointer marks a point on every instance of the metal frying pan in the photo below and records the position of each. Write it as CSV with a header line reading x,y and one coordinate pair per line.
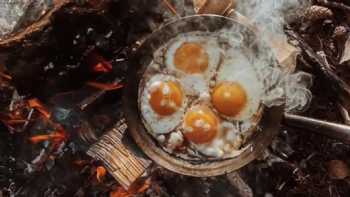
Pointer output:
x,y
270,120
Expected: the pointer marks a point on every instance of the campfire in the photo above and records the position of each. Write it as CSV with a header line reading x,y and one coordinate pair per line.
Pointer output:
x,y
65,71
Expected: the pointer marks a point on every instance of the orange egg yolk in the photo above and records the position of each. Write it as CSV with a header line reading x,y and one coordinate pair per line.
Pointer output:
x,y
229,98
200,125
165,97
191,58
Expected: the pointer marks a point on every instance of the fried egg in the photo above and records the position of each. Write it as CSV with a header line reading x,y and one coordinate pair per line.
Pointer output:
x,y
191,54
238,90
208,135
199,100
162,102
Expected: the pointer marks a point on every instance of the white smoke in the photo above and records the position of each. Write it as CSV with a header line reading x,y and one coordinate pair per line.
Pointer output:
x,y
271,16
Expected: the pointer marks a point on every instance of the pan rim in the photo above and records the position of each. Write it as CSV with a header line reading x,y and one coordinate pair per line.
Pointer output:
x,y
208,168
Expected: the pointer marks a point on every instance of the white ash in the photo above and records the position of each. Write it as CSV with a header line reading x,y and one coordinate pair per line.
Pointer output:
x,y
15,12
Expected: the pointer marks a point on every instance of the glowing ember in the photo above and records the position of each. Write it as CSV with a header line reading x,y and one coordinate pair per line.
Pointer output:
x,y
15,122
100,173
105,86
5,76
103,67
138,187
36,104
56,137
98,63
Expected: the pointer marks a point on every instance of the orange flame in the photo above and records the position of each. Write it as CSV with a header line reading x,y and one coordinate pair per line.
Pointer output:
x,y
138,187
105,86
100,173
36,104
56,137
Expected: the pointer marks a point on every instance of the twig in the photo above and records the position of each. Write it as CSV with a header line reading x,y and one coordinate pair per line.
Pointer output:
x,y
334,5
170,7
28,119
5,76
92,98
344,113
337,85
243,188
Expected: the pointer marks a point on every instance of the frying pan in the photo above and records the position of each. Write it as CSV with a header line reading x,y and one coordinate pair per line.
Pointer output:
x,y
271,117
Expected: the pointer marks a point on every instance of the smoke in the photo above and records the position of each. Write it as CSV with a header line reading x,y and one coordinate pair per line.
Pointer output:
x,y
271,16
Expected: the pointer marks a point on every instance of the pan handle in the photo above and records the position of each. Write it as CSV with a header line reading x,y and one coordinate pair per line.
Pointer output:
x,y
336,131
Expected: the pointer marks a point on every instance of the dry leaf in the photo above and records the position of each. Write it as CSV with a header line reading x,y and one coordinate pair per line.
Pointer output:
x,y
286,54
346,54
197,4
338,169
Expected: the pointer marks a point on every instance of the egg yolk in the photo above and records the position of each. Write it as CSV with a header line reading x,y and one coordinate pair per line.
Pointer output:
x,y
165,97
200,125
191,58
229,98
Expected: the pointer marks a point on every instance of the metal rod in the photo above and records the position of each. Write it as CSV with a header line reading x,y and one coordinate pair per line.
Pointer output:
x,y
336,131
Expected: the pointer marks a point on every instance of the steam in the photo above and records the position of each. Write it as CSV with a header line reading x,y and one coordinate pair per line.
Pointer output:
x,y
282,87
272,15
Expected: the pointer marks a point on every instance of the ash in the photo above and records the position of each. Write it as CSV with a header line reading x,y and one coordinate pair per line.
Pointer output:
x,y
14,13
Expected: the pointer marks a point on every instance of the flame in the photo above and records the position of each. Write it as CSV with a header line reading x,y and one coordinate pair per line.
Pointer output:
x,y
105,86
56,137
138,187
100,173
98,63
36,104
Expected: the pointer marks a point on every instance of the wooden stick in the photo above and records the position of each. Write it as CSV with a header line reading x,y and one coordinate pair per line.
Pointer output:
x,y
170,7
344,113
125,163
242,187
5,76
334,5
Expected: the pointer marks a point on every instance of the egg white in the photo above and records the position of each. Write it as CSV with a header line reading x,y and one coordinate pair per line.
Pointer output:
x,y
237,68
155,123
225,145
208,43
